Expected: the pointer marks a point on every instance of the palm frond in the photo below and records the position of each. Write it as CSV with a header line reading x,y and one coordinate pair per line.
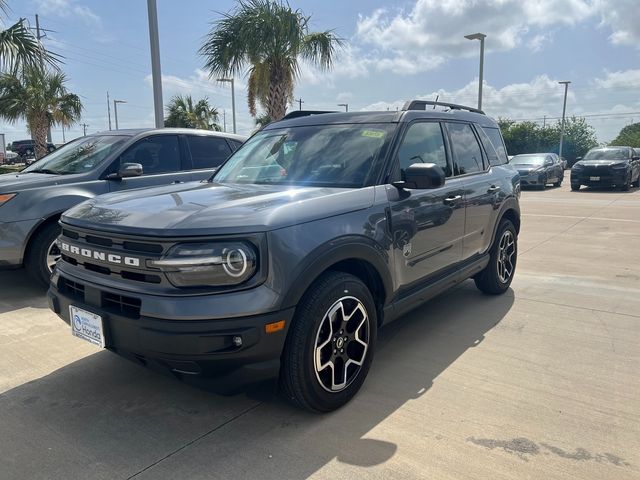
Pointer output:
x,y
19,47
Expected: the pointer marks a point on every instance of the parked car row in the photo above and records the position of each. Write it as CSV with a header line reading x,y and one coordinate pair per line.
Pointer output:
x,y
26,149
539,169
617,167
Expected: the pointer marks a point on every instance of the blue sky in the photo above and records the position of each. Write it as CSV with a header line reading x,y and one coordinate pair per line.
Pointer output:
x,y
394,50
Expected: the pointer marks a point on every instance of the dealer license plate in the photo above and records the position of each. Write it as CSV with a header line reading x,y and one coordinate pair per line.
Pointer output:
x,y
87,326
594,179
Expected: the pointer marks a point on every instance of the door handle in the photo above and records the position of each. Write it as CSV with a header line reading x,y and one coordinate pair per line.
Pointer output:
x,y
452,200
493,189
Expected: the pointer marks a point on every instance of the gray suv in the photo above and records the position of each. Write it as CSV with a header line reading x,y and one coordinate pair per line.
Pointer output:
x,y
31,201
319,230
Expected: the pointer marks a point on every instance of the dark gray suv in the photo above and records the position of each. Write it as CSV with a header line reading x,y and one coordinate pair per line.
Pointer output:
x,y
31,201
315,233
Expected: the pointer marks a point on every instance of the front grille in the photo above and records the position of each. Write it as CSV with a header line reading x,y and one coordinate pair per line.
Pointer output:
x,y
93,251
121,305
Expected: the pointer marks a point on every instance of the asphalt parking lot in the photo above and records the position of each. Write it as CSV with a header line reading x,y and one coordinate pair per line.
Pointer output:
x,y
542,382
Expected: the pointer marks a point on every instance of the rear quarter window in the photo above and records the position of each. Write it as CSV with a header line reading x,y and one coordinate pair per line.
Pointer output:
x,y
498,144
208,152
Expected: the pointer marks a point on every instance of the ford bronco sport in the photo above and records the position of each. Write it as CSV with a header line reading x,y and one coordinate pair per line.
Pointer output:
x,y
315,233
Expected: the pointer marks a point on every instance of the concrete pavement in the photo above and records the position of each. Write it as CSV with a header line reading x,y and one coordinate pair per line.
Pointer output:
x,y
542,382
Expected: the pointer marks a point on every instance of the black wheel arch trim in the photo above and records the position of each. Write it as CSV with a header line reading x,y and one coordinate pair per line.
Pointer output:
x,y
350,247
509,204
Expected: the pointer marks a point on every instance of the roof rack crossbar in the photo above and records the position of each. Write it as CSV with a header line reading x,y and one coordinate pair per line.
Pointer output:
x,y
422,105
305,113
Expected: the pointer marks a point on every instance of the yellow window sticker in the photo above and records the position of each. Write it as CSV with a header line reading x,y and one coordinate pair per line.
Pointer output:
x,y
373,133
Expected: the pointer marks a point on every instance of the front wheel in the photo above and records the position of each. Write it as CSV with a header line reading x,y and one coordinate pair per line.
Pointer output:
x,y
498,274
626,186
575,188
43,254
330,344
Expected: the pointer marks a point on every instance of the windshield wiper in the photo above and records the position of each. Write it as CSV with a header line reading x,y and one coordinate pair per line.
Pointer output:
x,y
44,170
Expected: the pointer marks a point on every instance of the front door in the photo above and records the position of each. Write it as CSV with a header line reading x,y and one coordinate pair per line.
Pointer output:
x,y
427,226
161,163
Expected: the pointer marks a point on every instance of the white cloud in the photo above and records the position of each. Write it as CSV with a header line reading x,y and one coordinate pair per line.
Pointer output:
x,y
623,18
542,96
69,8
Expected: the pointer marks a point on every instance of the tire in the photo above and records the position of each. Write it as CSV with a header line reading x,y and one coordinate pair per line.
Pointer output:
x,y
575,188
306,386
637,182
36,260
493,279
626,186
558,184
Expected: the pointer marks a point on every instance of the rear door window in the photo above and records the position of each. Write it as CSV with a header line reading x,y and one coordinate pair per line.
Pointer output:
x,y
467,153
497,142
207,151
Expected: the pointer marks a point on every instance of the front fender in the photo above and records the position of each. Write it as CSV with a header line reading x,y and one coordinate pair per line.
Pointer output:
x,y
352,247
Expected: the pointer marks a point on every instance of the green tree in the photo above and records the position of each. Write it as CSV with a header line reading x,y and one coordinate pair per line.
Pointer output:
x,y
183,112
19,47
269,39
629,136
39,97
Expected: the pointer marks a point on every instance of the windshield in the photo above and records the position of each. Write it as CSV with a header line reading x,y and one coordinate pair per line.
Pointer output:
x,y
607,154
319,155
535,160
78,156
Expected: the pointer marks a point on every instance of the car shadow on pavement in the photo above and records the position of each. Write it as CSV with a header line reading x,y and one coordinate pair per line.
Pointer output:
x,y
104,417
17,291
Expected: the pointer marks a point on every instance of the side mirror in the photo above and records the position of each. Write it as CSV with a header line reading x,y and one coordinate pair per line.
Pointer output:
x,y
422,176
126,170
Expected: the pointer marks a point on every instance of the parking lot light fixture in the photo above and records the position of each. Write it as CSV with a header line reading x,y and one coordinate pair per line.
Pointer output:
x,y
233,99
345,105
481,37
115,109
564,109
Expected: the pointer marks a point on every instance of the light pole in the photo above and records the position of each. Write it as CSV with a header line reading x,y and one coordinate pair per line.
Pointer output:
x,y
115,109
564,109
345,105
233,100
481,37
156,75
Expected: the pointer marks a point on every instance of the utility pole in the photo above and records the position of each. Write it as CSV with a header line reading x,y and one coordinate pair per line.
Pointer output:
x,y
155,63
233,99
544,121
109,110
84,129
39,36
300,102
63,139
564,109
224,120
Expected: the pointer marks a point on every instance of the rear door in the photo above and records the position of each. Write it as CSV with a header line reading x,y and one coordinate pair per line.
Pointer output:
x,y
482,185
161,162
427,226
206,153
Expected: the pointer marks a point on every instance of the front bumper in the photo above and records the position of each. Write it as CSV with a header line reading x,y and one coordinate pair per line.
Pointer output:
x,y
532,179
202,347
601,177
13,240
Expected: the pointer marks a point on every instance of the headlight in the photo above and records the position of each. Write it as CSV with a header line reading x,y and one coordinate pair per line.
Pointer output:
x,y
619,166
5,197
208,264
576,166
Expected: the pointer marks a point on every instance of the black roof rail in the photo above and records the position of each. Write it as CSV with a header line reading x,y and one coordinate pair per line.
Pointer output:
x,y
305,113
422,105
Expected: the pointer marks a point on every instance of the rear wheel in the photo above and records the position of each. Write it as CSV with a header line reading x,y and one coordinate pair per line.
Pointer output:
x,y
626,186
43,253
498,274
330,344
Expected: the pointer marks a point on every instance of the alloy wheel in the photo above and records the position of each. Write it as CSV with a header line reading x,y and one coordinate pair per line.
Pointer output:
x,y
341,344
506,253
53,255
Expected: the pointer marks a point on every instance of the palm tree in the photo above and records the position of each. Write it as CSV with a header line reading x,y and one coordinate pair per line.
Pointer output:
x,y
182,112
19,47
269,38
40,97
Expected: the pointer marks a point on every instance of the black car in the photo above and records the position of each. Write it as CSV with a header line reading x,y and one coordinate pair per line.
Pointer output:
x,y
607,167
32,200
316,232
27,148
538,169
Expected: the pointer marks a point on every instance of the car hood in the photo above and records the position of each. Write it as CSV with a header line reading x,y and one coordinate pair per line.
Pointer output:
x,y
527,169
12,182
606,163
212,208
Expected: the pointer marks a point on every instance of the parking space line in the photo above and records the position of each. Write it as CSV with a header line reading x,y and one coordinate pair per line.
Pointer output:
x,y
580,217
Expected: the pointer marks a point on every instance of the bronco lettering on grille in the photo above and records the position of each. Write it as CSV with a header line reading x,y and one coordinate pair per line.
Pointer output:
x,y
98,255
